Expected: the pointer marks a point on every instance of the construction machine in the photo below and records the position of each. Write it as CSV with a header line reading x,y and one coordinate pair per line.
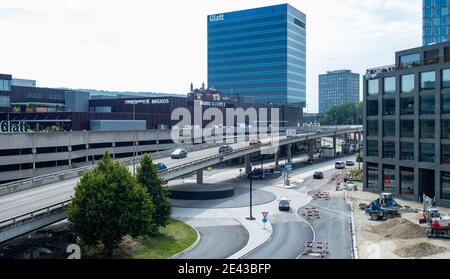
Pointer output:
x,y
383,208
438,224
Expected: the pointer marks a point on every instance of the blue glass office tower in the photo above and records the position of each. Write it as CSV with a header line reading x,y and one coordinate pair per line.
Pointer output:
x,y
436,21
259,54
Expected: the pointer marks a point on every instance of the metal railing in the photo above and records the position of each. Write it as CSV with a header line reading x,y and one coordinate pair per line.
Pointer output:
x,y
34,213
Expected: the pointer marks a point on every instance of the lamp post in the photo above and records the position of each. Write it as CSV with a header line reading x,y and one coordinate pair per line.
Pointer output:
x,y
251,218
134,103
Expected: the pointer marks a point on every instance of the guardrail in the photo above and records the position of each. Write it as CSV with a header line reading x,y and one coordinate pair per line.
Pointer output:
x,y
78,172
35,213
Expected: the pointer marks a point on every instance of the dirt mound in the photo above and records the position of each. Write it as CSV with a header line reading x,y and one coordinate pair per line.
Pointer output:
x,y
419,250
398,228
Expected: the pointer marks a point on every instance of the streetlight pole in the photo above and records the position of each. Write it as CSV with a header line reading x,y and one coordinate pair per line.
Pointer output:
x,y
251,218
134,139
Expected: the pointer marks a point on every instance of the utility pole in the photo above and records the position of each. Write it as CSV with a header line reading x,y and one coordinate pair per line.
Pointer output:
x,y
134,139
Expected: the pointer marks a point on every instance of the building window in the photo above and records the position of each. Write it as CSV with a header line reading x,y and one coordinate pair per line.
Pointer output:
x,y
389,183
372,148
372,108
372,176
372,128
428,80
446,104
389,128
446,78
389,150
427,105
407,105
427,152
389,107
427,129
445,186
407,83
389,85
407,151
407,128
409,59
373,87
431,57
445,129
445,154
407,182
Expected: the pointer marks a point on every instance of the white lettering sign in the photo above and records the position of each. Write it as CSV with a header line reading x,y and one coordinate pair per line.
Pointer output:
x,y
160,101
214,18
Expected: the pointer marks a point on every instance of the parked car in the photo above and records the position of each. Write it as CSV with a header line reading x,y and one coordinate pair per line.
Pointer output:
x,y
161,167
179,154
284,204
318,175
255,142
350,163
225,149
257,174
340,165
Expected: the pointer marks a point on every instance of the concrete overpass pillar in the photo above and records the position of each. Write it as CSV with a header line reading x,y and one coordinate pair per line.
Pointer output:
x,y
334,146
277,158
248,164
347,143
311,144
200,177
289,152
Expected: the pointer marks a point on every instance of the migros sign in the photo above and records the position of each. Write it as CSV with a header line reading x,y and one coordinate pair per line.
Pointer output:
x,y
215,18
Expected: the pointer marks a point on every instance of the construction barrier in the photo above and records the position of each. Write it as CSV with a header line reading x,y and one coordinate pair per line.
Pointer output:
x,y
322,196
319,248
311,213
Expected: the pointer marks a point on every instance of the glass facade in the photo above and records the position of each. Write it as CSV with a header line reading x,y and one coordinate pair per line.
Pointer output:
x,y
372,108
372,176
436,21
259,54
427,152
389,85
407,106
372,128
337,88
389,183
407,83
389,128
427,80
445,186
407,151
445,154
389,107
427,129
407,127
446,78
373,87
445,129
407,182
446,103
372,148
389,150
427,105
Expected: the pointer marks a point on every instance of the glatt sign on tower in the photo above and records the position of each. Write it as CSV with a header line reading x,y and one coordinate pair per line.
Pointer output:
x,y
214,18
13,126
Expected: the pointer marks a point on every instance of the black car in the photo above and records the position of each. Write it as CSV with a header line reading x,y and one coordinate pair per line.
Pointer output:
x,y
179,154
225,149
284,204
318,175
257,174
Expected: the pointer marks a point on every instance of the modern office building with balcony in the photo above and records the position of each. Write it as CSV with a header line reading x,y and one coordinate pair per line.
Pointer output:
x,y
337,88
259,54
436,21
407,125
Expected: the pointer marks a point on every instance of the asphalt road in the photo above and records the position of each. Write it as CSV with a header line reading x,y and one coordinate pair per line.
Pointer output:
x,y
288,239
334,223
218,242
22,202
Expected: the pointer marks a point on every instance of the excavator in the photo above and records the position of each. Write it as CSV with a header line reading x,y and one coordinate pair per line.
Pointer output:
x,y
438,224
383,208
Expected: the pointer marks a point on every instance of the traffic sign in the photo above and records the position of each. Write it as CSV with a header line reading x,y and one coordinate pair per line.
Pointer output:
x,y
387,181
265,220
265,214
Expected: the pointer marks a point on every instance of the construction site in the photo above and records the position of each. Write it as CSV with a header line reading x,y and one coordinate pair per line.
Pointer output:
x,y
388,227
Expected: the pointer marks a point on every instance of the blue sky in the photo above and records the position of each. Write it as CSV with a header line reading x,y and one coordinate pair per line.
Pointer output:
x,y
160,46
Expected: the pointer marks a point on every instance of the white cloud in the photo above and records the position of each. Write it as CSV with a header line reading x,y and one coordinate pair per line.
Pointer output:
x,y
161,45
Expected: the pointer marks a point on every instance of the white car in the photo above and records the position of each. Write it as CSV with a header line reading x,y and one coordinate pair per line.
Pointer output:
x,y
340,165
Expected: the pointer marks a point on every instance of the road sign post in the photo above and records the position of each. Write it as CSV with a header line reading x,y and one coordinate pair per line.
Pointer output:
x,y
265,219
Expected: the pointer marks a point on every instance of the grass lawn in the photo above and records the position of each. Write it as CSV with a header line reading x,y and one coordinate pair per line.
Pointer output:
x,y
173,239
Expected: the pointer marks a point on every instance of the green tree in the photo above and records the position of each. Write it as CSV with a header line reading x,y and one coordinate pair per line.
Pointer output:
x,y
109,204
348,114
148,176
